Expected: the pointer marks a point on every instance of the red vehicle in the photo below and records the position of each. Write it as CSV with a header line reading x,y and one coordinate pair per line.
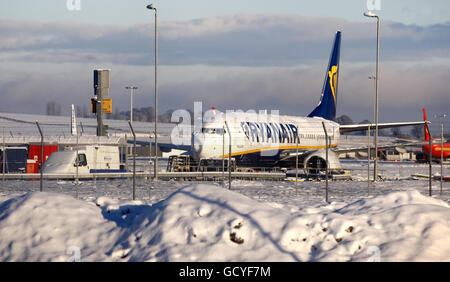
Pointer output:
x,y
34,156
436,147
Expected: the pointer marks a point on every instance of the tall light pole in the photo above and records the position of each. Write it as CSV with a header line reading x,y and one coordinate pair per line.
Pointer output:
x,y
131,88
375,170
442,144
152,7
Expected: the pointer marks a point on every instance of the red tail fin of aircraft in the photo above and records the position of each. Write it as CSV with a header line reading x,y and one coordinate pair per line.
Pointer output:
x,y
427,134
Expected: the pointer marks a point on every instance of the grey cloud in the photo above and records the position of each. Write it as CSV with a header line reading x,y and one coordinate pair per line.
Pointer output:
x,y
404,89
247,40
54,61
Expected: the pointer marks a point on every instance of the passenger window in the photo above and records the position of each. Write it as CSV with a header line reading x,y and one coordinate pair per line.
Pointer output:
x,y
213,130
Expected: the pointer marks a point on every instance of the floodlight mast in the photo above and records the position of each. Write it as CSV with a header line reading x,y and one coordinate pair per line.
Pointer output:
x,y
152,7
370,14
131,88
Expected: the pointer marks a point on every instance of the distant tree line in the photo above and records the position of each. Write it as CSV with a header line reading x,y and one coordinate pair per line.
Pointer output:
x,y
146,114
53,109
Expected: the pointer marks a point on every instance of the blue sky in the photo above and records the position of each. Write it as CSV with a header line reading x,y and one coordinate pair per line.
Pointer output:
x,y
266,55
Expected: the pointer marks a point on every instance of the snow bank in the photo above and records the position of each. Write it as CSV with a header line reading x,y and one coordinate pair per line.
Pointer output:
x,y
53,227
406,226
209,223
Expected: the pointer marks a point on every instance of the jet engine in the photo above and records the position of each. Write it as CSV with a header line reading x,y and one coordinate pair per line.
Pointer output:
x,y
315,161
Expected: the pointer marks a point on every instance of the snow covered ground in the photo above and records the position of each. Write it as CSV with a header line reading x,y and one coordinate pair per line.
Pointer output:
x,y
255,221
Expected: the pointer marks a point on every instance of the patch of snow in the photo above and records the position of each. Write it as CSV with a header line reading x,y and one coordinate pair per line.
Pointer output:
x,y
43,226
201,222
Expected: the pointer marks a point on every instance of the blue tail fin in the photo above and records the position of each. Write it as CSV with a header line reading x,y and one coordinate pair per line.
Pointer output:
x,y
327,105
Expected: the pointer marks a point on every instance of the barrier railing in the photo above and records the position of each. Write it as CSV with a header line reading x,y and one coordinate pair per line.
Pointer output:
x,y
196,174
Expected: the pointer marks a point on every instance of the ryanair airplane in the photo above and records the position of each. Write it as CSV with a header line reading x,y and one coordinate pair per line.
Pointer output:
x,y
262,140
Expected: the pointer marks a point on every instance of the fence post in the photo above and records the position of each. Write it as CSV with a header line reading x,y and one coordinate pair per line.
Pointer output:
x,y
430,157
326,160
223,156
3,158
229,157
368,161
134,160
442,154
42,154
77,162
126,153
296,165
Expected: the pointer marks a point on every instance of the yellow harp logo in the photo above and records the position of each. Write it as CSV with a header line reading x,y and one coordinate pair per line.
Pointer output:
x,y
333,81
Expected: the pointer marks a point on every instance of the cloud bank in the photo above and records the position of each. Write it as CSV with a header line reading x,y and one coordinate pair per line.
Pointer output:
x,y
250,40
240,61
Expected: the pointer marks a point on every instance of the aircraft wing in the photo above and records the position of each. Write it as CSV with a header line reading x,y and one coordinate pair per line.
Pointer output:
x,y
387,146
361,127
340,150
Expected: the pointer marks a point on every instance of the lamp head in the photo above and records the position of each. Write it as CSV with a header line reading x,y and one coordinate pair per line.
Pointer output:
x,y
151,7
370,14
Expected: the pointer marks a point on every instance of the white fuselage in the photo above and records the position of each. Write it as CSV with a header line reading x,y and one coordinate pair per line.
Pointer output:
x,y
261,139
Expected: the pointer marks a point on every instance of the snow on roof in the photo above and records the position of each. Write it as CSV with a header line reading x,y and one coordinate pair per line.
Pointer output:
x,y
68,141
16,124
209,223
